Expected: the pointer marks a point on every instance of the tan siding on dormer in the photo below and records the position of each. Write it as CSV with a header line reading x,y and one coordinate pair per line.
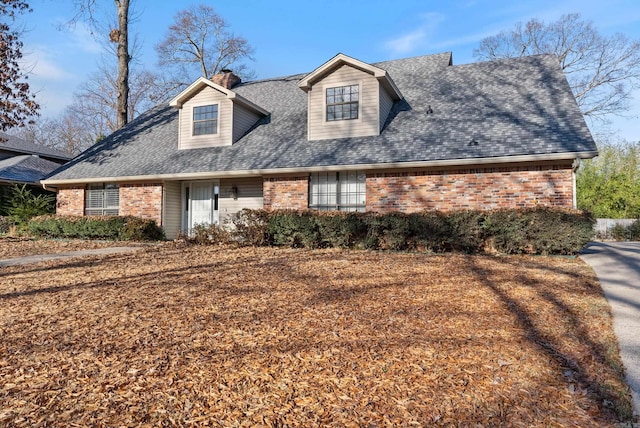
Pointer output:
x,y
243,120
368,118
386,103
205,97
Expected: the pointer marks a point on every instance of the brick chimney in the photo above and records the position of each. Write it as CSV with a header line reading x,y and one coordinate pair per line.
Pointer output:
x,y
226,79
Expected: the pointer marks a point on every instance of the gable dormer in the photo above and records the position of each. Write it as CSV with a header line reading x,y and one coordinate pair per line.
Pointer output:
x,y
212,115
347,98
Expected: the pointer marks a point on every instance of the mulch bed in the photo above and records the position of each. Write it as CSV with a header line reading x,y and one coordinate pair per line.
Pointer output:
x,y
219,336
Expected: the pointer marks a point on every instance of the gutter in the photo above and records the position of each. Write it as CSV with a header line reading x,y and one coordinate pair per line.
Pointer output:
x,y
374,166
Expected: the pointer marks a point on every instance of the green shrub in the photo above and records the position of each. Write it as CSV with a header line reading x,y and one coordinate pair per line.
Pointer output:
x,y
389,231
429,231
505,231
297,229
558,231
139,229
340,229
126,228
466,230
619,232
634,231
251,227
24,204
6,223
510,231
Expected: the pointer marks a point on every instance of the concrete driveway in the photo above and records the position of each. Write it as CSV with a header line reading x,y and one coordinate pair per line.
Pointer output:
x,y
617,265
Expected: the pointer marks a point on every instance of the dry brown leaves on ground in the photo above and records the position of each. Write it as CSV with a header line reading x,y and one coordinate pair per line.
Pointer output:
x,y
11,247
217,336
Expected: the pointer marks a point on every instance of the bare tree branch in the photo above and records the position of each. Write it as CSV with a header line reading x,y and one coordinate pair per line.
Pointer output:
x,y
602,71
199,43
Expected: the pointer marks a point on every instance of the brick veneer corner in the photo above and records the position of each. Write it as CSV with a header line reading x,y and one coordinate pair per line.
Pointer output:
x,y
286,192
483,188
70,201
142,200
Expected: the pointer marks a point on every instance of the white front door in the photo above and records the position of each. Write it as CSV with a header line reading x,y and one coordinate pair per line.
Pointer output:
x,y
201,203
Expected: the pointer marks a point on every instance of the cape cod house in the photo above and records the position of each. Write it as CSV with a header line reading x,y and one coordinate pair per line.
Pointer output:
x,y
406,135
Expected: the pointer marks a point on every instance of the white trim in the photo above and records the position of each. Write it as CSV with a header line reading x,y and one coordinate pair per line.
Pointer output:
x,y
197,86
383,77
340,122
375,166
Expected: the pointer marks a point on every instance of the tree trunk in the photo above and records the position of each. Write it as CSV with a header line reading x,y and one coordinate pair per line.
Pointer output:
x,y
123,62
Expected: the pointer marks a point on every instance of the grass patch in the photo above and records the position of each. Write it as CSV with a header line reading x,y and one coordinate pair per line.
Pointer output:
x,y
180,335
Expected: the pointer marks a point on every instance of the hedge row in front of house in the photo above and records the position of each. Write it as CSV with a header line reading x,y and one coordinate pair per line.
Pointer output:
x,y
123,228
539,230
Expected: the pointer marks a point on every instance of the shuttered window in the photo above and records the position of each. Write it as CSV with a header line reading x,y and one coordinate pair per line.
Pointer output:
x,y
338,191
102,199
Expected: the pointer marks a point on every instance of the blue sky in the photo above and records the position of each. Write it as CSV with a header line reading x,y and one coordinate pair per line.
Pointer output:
x,y
292,37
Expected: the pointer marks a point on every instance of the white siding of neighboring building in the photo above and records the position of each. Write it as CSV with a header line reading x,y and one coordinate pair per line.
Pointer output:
x,y
171,208
368,120
249,196
207,96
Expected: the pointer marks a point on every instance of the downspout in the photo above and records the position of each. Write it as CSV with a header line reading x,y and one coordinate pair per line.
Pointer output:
x,y
574,167
50,189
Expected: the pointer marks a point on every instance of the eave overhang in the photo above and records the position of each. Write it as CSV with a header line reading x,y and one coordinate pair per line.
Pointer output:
x,y
341,59
201,83
499,160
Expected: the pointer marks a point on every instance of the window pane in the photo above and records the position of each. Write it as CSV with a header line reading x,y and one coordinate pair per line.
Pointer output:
x,y
102,199
342,102
205,120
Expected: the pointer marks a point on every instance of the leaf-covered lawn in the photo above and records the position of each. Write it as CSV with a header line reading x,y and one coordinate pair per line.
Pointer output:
x,y
194,336
11,247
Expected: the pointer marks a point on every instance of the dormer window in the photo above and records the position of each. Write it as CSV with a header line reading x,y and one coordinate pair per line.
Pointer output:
x,y
205,120
343,102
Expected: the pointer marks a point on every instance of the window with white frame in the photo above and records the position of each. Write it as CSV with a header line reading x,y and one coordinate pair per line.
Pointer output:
x,y
343,102
102,199
340,191
205,120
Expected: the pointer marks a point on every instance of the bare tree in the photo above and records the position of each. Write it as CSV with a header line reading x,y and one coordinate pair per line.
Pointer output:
x,y
602,71
199,43
96,100
17,103
119,35
93,112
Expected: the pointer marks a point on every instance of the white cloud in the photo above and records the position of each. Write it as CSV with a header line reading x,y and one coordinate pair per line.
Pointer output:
x,y
83,39
41,63
417,38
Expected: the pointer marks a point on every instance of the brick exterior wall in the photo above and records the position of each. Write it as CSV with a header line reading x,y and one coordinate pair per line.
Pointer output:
x,y
482,188
286,192
70,201
142,200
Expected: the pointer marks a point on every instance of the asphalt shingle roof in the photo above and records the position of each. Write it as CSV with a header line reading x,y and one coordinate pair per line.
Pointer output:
x,y
21,146
25,169
511,107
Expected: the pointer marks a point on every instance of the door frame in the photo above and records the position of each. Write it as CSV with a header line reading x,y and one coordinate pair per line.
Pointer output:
x,y
186,202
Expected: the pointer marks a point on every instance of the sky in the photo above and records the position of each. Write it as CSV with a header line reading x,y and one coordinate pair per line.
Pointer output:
x,y
291,37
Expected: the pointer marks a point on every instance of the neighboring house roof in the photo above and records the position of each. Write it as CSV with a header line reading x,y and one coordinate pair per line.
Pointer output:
x,y
500,111
25,169
23,147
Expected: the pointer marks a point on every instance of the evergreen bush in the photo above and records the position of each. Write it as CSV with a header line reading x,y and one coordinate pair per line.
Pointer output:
x,y
126,228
